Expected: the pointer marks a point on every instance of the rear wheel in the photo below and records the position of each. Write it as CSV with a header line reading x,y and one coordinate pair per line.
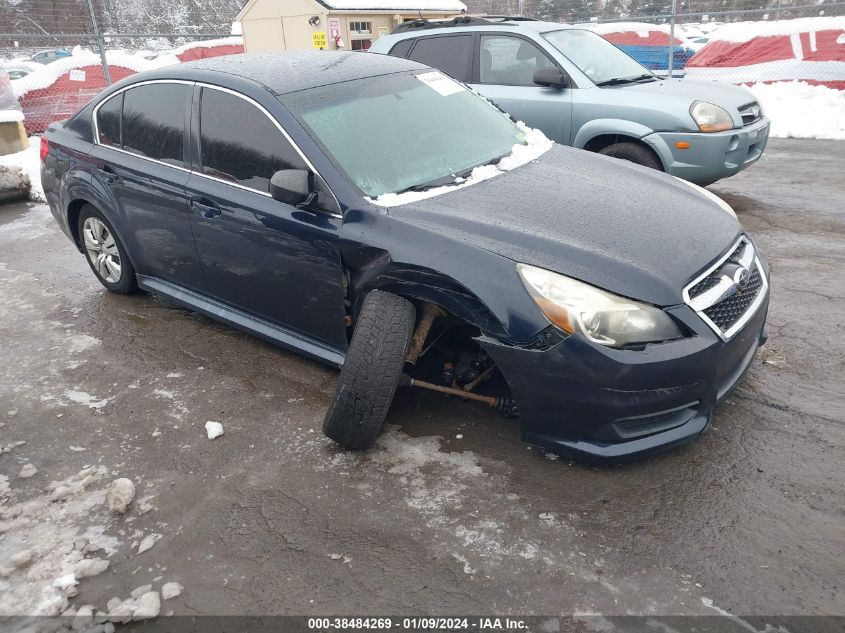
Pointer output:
x,y
633,152
372,370
104,252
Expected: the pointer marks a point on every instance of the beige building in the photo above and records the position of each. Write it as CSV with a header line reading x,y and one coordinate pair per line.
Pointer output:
x,y
296,25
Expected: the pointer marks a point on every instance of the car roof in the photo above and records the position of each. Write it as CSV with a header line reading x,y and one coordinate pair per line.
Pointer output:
x,y
285,72
419,28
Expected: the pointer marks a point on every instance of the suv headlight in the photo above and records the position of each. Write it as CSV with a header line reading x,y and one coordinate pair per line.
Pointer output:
x,y
710,118
602,317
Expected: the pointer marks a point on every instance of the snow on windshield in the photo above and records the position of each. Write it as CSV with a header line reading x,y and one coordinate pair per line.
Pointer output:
x,y
536,144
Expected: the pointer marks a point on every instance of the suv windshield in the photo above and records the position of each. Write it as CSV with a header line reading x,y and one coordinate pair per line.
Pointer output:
x,y
398,132
597,58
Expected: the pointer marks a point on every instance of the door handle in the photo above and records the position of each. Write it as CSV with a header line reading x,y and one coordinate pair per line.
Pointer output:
x,y
108,174
205,208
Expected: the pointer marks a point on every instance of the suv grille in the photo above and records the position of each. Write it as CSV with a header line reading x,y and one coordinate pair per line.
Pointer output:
x,y
750,112
729,293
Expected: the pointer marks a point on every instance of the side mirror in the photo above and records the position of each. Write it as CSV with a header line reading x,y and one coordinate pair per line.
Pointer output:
x,y
291,186
551,77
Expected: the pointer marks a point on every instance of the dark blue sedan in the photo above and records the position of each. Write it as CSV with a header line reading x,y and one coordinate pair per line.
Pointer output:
x,y
371,213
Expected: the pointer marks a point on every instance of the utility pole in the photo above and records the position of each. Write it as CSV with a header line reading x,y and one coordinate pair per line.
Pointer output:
x,y
671,37
101,44
521,10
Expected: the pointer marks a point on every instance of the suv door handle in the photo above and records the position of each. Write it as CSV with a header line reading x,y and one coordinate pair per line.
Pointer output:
x,y
108,174
205,208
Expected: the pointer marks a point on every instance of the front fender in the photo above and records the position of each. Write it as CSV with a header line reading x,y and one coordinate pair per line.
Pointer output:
x,y
475,285
598,127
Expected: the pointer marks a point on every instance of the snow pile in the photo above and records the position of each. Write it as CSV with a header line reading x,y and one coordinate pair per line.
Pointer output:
x,y
14,183
30,163
738,32
801,110
47,552
536,144
11,116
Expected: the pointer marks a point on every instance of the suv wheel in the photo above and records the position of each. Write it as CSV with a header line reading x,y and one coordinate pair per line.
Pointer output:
x,y
633,152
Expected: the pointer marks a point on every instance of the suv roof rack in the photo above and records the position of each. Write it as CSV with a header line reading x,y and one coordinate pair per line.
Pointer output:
x,y
462,20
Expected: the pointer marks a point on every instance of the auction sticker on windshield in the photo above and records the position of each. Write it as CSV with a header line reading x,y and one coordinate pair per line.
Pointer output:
x,y
440,83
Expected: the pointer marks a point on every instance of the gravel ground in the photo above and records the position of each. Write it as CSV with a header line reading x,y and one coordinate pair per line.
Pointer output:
x,y
451,512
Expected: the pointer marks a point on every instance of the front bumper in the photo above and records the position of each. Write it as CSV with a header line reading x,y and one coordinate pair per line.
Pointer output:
x,y
710,157
602,404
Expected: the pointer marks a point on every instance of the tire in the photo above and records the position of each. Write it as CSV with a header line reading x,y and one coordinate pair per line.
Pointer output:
x,y
633,152
104,252
372,370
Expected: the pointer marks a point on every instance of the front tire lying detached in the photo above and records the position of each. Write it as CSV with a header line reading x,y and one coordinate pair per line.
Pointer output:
x,y
372,370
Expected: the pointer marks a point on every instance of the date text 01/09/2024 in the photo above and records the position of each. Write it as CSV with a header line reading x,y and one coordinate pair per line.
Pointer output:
x,y
417,624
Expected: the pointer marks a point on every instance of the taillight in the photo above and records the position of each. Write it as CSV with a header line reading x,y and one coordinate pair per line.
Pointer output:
x,y
45,148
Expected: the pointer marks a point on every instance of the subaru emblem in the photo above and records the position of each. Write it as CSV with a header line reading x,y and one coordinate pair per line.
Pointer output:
x,y
741,278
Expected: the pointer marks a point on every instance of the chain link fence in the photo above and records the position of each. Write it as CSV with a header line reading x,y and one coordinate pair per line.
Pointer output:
x,y
61,53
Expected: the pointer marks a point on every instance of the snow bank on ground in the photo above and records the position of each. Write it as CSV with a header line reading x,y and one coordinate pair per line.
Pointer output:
x,y
536,144
801,110
30,162
738,32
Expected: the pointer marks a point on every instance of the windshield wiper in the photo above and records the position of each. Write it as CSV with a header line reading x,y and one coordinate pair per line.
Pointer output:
x,y
451,179
625,80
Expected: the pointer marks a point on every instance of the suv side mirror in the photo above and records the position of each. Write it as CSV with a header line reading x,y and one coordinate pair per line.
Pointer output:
x,y
291,186
552,77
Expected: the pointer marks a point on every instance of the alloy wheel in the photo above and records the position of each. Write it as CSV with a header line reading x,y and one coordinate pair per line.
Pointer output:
x,y
101,249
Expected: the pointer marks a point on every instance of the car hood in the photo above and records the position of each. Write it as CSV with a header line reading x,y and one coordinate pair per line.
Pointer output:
x,y
724,95
631,230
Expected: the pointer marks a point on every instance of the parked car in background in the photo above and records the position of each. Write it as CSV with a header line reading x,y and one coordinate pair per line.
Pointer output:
x,y
583,91
48,57
19,69
697,43
372,213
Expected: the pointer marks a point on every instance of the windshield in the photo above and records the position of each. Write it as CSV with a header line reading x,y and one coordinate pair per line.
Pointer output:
x,y
395,132
597,58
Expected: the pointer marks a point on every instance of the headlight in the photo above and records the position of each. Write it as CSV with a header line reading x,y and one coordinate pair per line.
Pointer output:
x,y
710,118
602,317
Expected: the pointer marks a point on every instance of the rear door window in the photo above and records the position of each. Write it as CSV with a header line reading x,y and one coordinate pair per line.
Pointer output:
x,y
510,61
108,121
240,144
154,121
452,54
401,49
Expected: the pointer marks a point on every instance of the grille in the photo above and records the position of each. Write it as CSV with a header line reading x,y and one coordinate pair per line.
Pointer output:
x,y
712,280
750,113
727,315
728,311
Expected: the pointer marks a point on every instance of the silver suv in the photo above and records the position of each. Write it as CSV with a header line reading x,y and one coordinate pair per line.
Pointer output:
x,y
583,91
